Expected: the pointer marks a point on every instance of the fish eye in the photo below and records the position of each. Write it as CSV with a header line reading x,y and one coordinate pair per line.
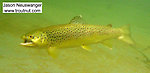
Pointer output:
x,y
32,37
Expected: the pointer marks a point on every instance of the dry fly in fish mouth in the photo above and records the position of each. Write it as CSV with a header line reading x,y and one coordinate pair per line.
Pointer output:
x,y
27,42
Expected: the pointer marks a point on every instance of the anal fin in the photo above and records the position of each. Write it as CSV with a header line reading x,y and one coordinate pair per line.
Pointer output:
x,y
108,43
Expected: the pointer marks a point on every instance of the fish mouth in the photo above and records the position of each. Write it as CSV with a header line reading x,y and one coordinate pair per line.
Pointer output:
x,y
27,42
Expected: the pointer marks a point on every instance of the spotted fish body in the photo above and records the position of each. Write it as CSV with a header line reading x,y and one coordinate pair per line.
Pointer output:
x,y
69,35
73,34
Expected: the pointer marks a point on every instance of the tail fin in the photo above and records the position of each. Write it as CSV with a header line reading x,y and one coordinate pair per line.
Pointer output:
x,y
126,37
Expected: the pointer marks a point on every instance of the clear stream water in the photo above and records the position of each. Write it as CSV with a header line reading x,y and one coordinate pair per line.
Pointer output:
x,y
123,58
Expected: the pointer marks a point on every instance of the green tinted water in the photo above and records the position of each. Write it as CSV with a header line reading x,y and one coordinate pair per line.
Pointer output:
x,y
122,59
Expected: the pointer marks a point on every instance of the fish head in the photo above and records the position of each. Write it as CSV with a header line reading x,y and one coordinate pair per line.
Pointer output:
x,y
33,39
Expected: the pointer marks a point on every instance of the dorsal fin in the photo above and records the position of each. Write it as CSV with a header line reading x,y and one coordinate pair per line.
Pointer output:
x,y
109,25
77,20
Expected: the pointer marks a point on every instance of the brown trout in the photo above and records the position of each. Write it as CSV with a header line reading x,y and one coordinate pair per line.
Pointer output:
x,y
75,33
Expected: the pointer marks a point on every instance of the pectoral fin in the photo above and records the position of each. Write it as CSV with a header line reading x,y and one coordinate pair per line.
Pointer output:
x,y
88,48
108,43
53,52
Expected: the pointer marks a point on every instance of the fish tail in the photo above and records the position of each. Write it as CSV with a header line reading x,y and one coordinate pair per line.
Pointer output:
x,y
126,36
